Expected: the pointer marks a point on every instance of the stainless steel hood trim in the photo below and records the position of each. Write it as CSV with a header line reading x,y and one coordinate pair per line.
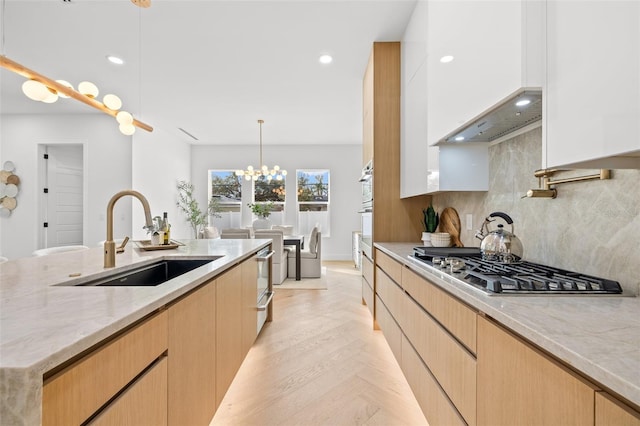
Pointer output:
x,y
501,120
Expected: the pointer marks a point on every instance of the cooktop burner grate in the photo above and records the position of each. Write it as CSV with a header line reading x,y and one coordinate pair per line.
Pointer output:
x,y
517,278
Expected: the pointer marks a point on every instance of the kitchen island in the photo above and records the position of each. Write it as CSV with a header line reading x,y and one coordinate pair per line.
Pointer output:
x,y
592,339
44,325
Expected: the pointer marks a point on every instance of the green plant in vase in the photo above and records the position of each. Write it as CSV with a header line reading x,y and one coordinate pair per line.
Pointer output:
x,y
190,207
263,211
430,220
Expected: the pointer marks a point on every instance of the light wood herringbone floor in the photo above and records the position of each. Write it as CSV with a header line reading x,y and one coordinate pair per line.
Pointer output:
x,y
320,363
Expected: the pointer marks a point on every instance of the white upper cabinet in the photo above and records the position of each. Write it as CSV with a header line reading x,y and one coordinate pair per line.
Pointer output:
x,y
496,48
413,152
593,84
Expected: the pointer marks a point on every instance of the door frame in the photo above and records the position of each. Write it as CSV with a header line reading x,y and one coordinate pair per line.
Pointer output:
x,y
42,178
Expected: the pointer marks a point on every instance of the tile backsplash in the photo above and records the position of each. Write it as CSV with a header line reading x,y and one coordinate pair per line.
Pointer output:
x,y
592,227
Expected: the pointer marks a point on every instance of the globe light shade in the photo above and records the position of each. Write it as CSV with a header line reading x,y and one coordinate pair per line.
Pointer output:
x,y
127,129
247,177
112,102
65,84
279,177
283,172
35,90
123,117
51,97
88,89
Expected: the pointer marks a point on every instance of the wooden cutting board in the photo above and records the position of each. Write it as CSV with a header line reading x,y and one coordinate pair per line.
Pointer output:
x,y
450,223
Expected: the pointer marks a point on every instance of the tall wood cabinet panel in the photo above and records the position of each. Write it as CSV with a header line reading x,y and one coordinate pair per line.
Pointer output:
x,y
367,284
593,84
192,357
229,354
394,219
611,412
143,403
74,394
517,384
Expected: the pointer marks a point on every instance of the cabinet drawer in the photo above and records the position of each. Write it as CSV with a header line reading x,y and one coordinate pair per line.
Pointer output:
x,y
75,393
367,269
390,329
143,403
391,294
611,412
390,266
450,363
435,404
367,295
455,316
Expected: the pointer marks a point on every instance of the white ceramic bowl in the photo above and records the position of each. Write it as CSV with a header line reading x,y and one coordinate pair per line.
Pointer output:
x,y
440,239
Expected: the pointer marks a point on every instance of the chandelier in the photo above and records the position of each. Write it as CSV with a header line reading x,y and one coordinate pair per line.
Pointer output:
x,y
253,174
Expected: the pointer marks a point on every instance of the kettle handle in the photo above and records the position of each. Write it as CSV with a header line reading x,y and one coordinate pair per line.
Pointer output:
x,y
504,216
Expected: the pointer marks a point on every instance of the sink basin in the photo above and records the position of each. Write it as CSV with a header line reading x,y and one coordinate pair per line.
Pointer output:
x,y
150,275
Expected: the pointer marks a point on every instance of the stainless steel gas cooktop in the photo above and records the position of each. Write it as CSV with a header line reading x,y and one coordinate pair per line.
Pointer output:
x,y
467,265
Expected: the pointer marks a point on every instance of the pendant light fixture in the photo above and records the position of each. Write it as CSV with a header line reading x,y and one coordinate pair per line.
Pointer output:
x,y
253,174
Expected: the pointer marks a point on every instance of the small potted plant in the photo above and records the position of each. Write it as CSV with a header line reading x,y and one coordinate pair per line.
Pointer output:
x,y
263,211
190,207
430,222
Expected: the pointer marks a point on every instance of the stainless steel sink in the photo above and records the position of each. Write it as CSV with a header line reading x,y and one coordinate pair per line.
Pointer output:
x,y
149,275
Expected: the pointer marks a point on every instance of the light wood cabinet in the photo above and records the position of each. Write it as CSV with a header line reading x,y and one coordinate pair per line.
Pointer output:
x,y
229,354
192,357
75,393
456,317
249,303
611,412
144,403
435,404
450,363
390,266
593,84
367,113
390,329
367,284
518,384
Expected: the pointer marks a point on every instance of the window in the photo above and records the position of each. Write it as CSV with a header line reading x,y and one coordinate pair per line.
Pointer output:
x,y
265,190
227,188
312,191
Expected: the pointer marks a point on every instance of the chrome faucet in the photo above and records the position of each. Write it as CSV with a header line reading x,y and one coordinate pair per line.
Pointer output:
x,y
109,244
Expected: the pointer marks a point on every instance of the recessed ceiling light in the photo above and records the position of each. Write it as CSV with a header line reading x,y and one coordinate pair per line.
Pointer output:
x,y
523,102
459,138
325,59
446,59
115,60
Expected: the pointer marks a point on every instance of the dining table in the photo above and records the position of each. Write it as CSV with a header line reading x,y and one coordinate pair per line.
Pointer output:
x,y
298,242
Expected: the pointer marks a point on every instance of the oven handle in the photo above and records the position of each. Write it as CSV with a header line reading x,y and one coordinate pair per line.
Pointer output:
x,y
266,304
265,258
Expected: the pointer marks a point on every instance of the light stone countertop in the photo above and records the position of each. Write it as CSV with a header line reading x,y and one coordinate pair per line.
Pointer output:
x,y
596,335
43,324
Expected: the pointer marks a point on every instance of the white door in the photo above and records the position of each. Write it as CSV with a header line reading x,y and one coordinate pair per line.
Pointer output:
x,y
64,203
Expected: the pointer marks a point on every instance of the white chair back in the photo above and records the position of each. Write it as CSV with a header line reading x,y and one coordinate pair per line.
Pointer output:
x,y
60,249
286,229
235,233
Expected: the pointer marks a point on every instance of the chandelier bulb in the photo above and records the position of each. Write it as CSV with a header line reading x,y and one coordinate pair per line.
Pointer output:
x,y
65,84
123,117
52,96
127,129
88,89
35,90
112,102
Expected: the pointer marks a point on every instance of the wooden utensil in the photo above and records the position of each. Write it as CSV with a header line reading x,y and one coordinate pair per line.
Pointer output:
x,y
450,223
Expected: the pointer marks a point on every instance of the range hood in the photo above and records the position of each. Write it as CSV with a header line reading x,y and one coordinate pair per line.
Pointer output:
x,y
508,116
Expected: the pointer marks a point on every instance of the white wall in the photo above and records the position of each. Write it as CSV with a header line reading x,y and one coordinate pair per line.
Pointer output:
x,y
160,161
108,155
344,162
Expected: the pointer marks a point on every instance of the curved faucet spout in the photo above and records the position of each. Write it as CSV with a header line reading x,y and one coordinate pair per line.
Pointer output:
x,y
109,244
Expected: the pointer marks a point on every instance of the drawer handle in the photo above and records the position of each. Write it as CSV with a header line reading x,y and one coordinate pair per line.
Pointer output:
x,y
265,258
266,304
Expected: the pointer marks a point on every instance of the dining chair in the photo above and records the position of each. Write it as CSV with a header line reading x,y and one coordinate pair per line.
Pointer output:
x,y
310,257
235,233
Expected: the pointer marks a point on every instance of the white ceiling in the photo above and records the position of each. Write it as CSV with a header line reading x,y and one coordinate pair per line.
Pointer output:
x,y
211,67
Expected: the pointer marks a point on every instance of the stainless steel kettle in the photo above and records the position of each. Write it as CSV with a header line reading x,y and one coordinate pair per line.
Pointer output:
x,y
499,245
